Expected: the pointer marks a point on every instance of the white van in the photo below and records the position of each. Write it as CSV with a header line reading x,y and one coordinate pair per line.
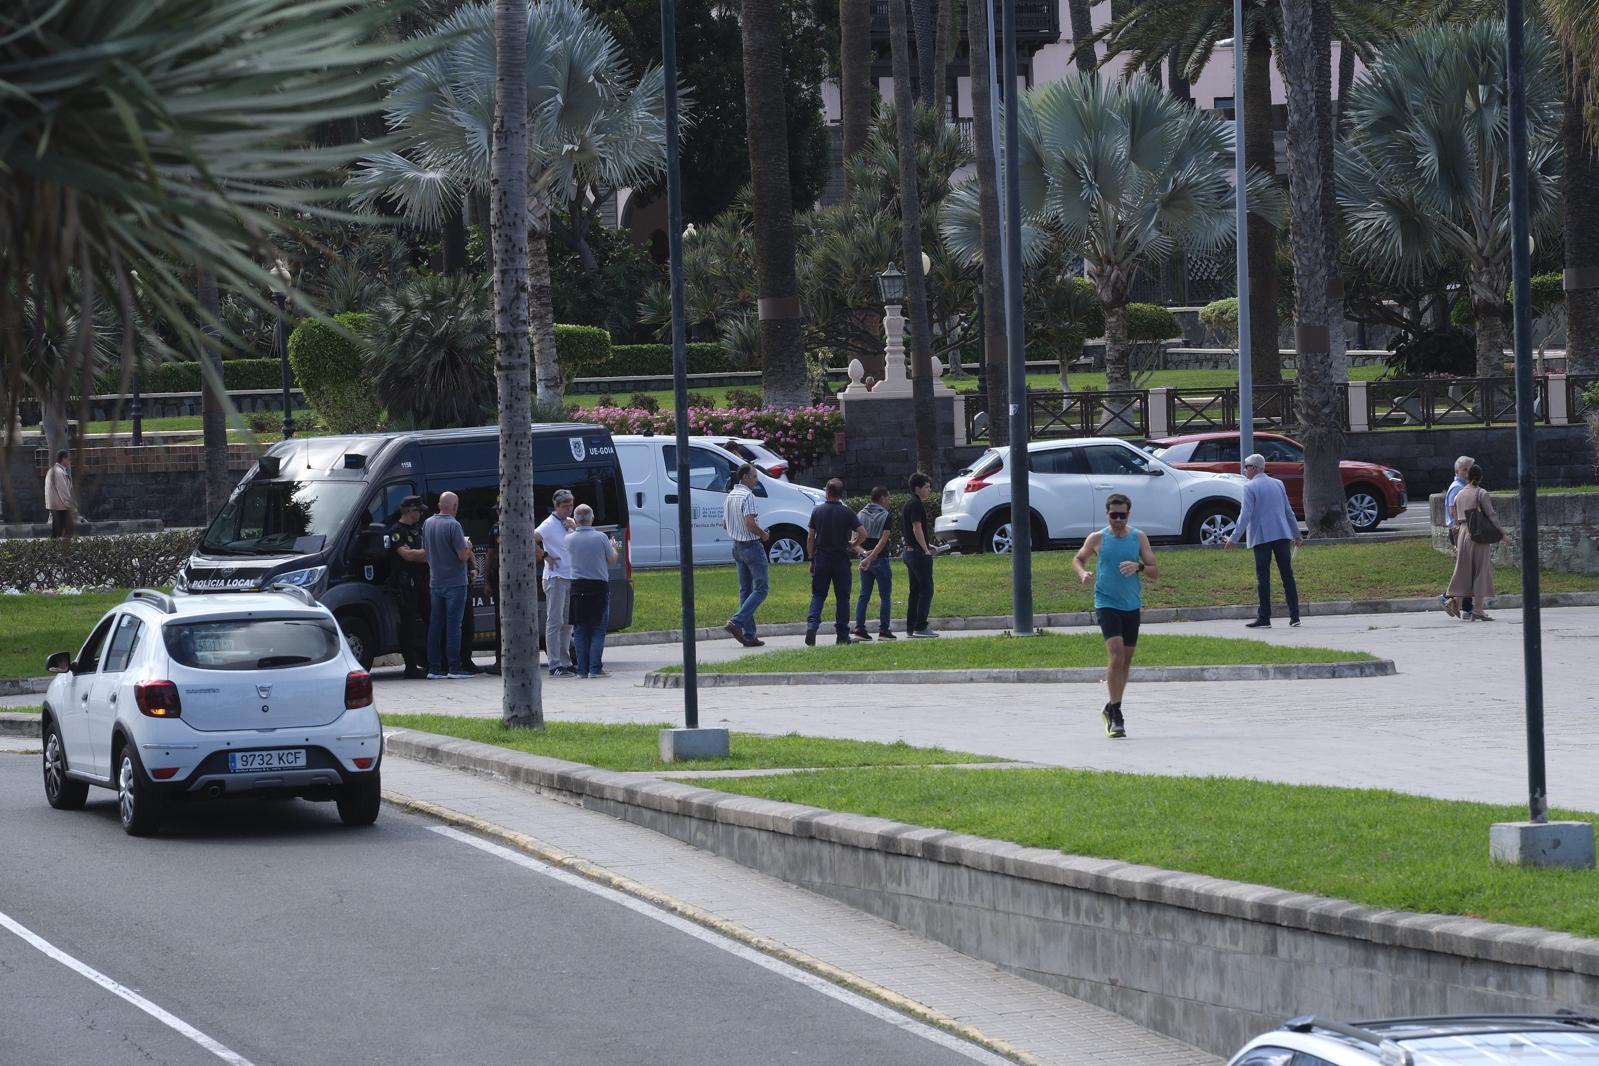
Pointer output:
x,y
649,473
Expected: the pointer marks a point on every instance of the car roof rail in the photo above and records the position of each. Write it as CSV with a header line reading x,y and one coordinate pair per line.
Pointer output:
x,y
299,592
1389,1053
155,598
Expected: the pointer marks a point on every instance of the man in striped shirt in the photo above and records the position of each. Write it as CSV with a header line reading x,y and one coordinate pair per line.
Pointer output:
x,y
749,555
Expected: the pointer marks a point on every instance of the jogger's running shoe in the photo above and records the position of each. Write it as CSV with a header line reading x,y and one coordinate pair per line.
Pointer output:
x,y
1118,728
1109,715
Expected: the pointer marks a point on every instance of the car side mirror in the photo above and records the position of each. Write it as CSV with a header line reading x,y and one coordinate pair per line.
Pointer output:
x,y
371,543
59,663
1156,471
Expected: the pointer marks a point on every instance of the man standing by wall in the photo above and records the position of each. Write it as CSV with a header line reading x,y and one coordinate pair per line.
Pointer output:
x,y
1125,557
59,498
918,557
1267,521
834,538
408,578
447,547
558,585
749,555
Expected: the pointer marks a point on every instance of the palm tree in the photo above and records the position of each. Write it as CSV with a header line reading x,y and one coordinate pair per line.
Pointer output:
x,y
979,36
781,326
1125,175
589,125
1080,13
1156,31
1576,24
508,219
1315,250
130,148
858,94
1424,176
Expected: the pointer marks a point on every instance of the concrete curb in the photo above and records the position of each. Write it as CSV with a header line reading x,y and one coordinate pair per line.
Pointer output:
x,y
1039,675
1410,605
24,686
544,852
16,724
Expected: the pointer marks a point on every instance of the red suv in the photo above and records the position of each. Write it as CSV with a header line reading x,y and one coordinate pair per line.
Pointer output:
x,y
1374,492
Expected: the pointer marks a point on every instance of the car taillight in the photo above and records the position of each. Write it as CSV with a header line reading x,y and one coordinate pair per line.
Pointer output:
x,y
975,484
158,699
357,689
776,471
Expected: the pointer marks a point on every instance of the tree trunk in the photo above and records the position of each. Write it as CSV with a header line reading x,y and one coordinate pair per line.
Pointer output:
x,y
979,37
1490,326
1260,153
945,11
910,211
1580,218
1318,403
213,400
1346,81
1337,358
454,242
541,302
923,18
857,93
522,703
782,339
1118,350
1080,12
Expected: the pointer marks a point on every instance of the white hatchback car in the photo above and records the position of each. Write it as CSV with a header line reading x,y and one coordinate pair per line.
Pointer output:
x,y
1453,1040
189,697
1069,484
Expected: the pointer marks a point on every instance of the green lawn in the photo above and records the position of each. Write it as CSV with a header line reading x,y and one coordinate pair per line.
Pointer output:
x,y
237,430
980,585
1384,849
34,627
23,710
637,746
1052,650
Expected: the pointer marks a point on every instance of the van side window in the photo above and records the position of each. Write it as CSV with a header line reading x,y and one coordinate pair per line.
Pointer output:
x,y
706,469
124,641
384,510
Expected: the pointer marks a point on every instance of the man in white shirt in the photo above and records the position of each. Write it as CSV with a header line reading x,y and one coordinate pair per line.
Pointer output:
x,y
749,555
558,585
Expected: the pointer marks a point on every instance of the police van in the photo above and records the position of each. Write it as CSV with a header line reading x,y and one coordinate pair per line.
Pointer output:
x,y
313,512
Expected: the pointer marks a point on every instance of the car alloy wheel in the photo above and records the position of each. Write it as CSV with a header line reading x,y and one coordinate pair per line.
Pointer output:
x,y
1216,528
62,792
786,550
999,540
137,806
1364,510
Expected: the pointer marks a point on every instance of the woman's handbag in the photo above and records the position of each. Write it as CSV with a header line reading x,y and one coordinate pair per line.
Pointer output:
x,y
1481,527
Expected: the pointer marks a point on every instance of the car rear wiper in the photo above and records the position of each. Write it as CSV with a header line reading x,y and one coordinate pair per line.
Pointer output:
x,y
281,660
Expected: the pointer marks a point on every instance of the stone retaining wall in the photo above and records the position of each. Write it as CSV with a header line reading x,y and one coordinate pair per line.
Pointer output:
x,y
1568,530
165,482
1204,960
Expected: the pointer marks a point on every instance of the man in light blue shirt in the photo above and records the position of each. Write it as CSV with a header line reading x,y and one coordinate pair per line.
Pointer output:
x,y
1267,521
1463,466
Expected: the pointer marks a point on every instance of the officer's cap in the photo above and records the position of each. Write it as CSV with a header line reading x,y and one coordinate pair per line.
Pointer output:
x,y
413,503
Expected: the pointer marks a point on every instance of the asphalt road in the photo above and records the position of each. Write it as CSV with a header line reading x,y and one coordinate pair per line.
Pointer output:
x,y
267,933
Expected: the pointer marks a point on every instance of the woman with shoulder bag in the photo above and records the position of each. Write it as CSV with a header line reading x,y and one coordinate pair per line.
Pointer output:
x,y
1479,532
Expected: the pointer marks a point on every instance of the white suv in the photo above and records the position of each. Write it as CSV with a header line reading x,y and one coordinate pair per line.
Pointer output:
x,y
1458,1040
176,698
1068,487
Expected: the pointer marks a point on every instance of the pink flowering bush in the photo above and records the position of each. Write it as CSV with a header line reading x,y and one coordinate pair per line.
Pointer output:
x,y
800,434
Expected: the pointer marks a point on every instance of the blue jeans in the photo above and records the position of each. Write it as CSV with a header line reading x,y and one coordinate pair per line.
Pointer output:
x,y
752,562
881,573
446,607
588,643
1282,551
830,573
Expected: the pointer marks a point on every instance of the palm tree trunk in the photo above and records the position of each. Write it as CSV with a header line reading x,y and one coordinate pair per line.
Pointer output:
x,y
1580,218
777,281
1337,359
1346,81
521,704
454,242
1080,12
541,301
979,39
910,211
1489,311
1319,415
1260,153
944,12
855,74
922,15
1118,350
213,400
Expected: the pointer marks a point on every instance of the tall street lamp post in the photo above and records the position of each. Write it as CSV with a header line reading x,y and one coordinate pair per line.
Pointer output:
x,y
281,280
1246,370
136,408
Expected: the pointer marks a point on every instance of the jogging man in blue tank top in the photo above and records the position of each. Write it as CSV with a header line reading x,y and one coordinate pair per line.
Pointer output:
x,y
1125,559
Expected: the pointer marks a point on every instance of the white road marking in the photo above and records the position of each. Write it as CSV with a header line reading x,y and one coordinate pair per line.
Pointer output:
x,y
165,1017
733,947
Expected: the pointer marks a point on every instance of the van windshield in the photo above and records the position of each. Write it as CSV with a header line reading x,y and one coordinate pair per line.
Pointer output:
x,y
272,517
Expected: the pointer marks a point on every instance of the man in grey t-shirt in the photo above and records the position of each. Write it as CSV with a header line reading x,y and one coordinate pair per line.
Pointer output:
x,y
447,547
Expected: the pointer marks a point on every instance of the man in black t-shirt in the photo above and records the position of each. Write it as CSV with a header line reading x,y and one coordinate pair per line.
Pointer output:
x,y
918,557
834,539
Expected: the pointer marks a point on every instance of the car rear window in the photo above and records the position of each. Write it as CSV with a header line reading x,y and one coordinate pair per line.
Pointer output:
x,y
252,643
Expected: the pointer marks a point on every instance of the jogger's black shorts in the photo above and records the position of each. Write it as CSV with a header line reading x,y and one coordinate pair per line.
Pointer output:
x,y
1114,623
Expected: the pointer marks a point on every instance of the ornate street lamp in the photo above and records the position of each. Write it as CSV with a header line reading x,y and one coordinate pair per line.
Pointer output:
x,y
891,287
281,280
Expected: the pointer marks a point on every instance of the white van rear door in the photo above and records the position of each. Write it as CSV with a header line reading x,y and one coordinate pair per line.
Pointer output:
x,y
651,543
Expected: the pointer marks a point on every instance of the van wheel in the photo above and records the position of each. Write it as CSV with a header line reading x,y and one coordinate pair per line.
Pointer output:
x,y
1364,509
359,800
786,546
64,793
359,636
138,805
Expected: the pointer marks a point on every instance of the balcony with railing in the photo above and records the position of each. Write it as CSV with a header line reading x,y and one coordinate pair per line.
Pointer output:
x,y
1037,23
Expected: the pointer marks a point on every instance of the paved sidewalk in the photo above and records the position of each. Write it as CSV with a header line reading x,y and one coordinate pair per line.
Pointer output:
x,y
1007,1010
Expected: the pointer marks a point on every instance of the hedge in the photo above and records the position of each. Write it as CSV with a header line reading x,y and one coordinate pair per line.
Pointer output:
x,y
800,434
1221,316
1151,322
132,561
185,377
581,349
329,365
640,360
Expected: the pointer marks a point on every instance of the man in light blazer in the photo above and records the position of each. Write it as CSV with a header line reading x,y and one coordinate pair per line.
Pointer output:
x,y
1267,522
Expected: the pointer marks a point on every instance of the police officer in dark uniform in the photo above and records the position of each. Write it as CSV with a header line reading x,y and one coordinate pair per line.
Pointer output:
x,y
408,578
